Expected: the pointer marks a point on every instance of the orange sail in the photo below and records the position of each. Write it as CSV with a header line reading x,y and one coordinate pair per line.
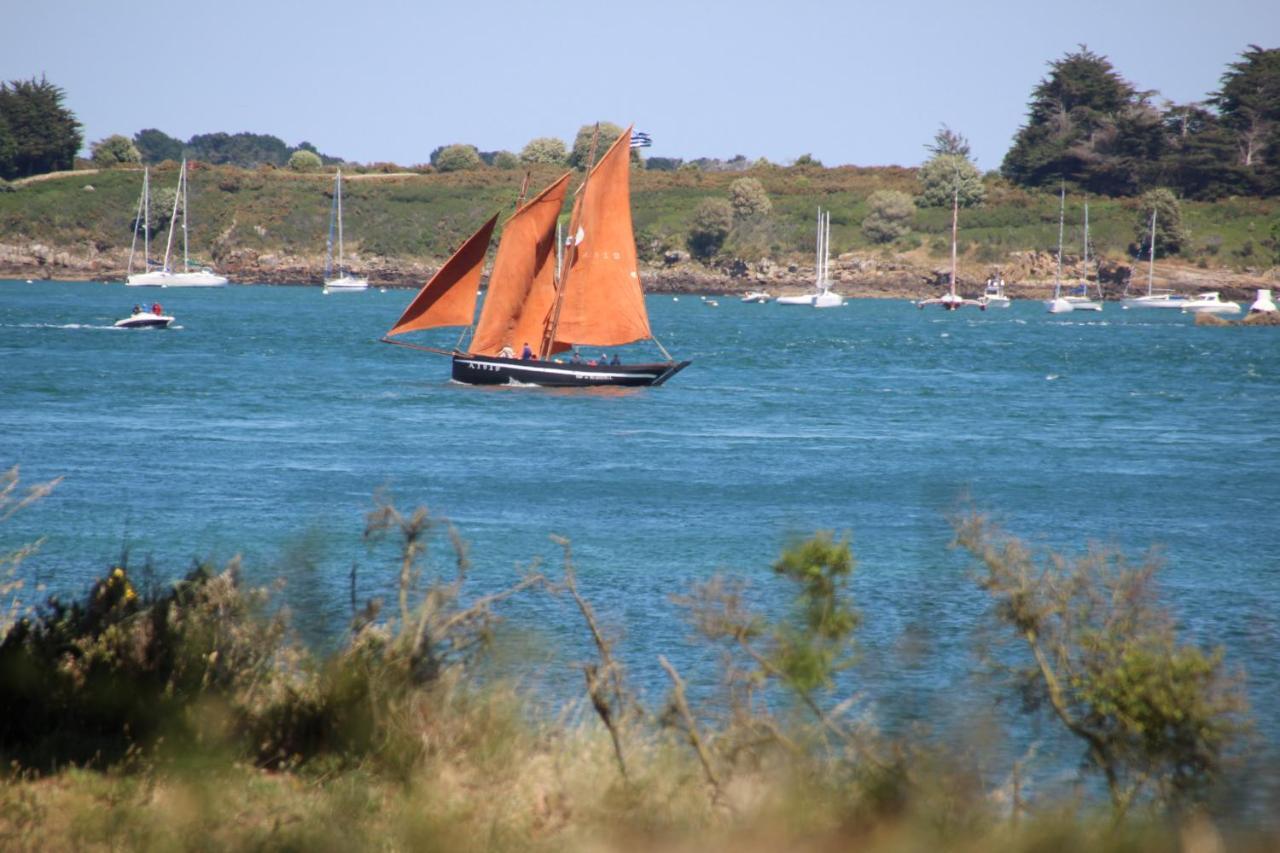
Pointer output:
x,y
601,300
449,298
522,283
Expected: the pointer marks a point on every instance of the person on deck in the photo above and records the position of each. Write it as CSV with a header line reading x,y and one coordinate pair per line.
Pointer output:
x,y
137,309
615,361
526,354
577,358
156,309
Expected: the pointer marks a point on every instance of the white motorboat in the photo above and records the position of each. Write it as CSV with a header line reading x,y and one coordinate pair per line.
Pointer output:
x,y
344,282
823,296
951,300
758,296
1154,298
166,276
144,320
1210,303
1263,304
994,296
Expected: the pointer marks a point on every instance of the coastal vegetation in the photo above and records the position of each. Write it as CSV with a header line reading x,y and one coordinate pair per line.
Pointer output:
x,y
145,712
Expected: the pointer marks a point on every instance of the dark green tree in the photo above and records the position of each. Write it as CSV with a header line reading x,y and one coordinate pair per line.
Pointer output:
x,y
1249,104
712,220
45,134
1086,125
581,152
1200,155
1171,234
239,149
156,146
455,158
8,147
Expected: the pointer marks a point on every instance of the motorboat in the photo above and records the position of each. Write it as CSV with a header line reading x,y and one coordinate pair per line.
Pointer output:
x,y
759,296
1263,304
144,320
1210,303
993,296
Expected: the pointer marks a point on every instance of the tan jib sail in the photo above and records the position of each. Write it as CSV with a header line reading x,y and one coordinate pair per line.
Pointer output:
x,y
522,283
602,303
449,297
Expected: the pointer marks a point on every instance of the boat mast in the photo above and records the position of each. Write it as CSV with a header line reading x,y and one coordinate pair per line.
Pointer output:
x,y
1151,253
134,244
328,240
955,217
1062,214
339,203
173,218
186,261
549,341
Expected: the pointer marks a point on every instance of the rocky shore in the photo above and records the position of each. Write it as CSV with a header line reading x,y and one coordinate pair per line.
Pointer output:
x,y
1028,275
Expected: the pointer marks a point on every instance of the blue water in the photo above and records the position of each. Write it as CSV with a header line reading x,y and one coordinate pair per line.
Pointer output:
x,y
263,424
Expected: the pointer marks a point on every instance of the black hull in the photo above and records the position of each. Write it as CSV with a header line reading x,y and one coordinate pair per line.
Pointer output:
x,y
489,370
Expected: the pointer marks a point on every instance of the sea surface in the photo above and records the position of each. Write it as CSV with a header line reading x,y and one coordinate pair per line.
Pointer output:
x,y
265,421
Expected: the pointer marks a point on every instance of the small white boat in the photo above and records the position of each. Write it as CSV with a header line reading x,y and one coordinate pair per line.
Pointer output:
x,y
803,299
993,296
144,320
345,282
711,303
758,296
1263,304
1210,303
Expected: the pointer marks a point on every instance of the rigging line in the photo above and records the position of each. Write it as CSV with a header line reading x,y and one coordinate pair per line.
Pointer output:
x,y
661,347
408,345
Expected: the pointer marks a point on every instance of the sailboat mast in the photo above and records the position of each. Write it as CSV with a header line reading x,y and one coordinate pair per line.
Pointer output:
x,y
1151,253
955,218
186,261
133,245
550,340
826,252
1062,218
339,201
173,218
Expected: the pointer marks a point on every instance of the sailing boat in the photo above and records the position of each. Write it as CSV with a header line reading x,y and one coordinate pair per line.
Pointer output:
x,y
142,218
1059,305
166,277
345,282
543,304
1080,301
951,300
822,296
1154,298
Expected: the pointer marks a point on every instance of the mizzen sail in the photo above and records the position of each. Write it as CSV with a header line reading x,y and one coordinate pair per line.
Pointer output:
x,y
601,300
449,297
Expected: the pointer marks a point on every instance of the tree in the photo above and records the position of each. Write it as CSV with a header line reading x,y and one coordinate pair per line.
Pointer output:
x,y
239,149
889,217
945,175
1156,718
749,199
505,160
807,160
1086,125
1249,103
712,220
609,132
303,160
45,135
1171,235
544,149
114,150
156,146
947,141
457,157
8,149
1200,155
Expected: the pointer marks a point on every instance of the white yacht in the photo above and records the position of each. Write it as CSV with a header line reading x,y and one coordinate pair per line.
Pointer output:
x,y
823,296
1080,300
1154,298
1060,304
344,282
166,276
1209,303
994,296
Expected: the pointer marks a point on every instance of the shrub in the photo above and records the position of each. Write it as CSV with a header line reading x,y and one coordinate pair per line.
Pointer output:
x,y
544,149
113,151
456,158
711,223
505,160
748,197
304,161
889,216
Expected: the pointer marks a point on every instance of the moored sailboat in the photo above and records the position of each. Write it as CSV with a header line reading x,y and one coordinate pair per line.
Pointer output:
x,y
539,307
344,281
1080,300
951,300
1058,304
1153,298
166,277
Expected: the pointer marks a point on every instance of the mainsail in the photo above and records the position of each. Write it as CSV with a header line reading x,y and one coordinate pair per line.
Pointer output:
x,y
449,297
601,300
522,284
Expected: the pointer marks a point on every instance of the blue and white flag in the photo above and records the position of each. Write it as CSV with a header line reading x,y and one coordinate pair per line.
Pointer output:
x,y
640,139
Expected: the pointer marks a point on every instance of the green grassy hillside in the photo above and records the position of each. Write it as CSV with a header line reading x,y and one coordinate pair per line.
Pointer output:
x,y
424,216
